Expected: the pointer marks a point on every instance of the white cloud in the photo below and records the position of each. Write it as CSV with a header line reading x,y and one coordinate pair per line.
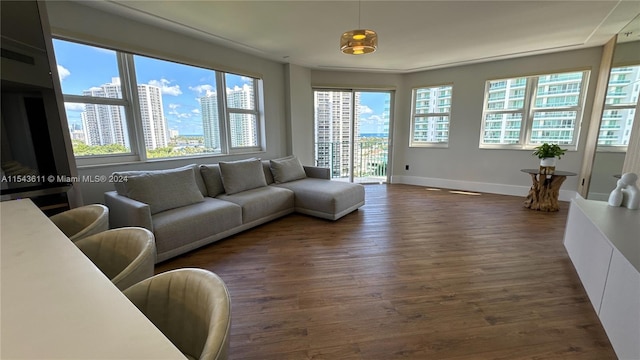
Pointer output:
x,y
196,111
373,119
166,88
205,89
179,115
63,72
364,109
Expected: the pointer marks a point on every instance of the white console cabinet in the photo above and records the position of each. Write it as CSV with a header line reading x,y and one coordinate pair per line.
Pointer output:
x,y
603,243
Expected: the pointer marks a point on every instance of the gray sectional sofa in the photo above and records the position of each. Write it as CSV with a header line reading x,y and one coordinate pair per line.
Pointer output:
x,y
195,205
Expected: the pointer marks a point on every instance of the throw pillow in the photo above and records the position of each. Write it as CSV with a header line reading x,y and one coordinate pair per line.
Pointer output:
x,y
238,176
164,190
287,169
120,185
212,179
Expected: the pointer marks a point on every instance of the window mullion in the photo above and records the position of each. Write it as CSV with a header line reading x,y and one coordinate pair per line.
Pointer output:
x,y
223,115
242,111
526,128
256,107
130,94
580,110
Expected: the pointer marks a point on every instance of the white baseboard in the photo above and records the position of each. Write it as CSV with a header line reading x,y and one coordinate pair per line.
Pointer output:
x,y
502,189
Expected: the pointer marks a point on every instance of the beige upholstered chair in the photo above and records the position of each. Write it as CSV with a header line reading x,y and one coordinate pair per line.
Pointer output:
x,y
82,221
191,307
125,255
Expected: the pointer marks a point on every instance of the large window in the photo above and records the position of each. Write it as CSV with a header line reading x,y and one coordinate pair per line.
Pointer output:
x,y
122,106
431,110
620,108
527,111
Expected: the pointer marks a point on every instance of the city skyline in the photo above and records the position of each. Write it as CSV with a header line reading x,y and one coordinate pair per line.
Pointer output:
x,y
84,67
181,86
338,116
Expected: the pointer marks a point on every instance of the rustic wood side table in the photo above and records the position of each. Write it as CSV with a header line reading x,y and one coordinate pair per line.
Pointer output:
x,y
544,192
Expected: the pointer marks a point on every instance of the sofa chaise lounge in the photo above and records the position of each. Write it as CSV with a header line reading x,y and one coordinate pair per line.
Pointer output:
x,y
195,205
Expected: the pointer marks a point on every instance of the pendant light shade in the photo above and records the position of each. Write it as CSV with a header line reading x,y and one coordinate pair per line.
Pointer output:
x,y
358,42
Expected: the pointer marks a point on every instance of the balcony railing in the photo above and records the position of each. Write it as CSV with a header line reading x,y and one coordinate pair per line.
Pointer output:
x,y
370,156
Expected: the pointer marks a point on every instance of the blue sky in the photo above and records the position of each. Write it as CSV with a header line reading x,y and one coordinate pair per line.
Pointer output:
x,y
83,67
371,109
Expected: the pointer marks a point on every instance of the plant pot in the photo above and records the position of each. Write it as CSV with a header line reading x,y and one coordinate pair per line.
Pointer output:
x,y
547,166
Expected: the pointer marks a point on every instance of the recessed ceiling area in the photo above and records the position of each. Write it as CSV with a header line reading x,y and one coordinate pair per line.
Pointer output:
x,y
413,35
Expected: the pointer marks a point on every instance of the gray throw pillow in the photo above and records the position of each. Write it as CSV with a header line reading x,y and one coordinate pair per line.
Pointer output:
x,y
287,169
238,176
212,179
120,185
164,190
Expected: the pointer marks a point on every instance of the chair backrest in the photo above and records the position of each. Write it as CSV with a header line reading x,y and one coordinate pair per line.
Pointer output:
x,y
192,307
125,255
82,221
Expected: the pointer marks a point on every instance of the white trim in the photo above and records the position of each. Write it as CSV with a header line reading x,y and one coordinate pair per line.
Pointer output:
x,y
501,189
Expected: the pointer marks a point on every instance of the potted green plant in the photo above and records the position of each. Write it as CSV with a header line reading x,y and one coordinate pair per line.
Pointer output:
x,y
547,153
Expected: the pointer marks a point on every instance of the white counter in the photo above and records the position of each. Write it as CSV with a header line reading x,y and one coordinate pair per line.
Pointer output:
x,y
603,243
54,303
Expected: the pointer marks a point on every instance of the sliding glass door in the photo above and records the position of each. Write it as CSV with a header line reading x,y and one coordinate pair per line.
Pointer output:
x,y
352,133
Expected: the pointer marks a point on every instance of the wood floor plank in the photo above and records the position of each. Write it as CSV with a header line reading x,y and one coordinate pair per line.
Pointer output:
x,y
416,273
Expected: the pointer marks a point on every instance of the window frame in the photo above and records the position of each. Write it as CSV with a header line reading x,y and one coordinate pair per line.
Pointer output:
x,y
528,111
628,106
221,83
415,115
134,126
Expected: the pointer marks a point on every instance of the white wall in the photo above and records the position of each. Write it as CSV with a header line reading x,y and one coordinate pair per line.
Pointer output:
x,y
300,113
71,19
463,165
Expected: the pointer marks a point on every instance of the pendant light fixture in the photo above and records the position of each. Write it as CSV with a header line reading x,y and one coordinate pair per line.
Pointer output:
x,y
360,41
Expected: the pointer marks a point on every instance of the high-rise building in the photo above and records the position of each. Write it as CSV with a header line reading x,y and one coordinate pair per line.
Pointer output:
x,y
624,88
210,120
558,90
551,121
105,124
432,100
154,125
242,127
504,94
334,129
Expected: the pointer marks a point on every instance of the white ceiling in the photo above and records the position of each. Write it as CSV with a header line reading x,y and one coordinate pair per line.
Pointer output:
x,y
413,35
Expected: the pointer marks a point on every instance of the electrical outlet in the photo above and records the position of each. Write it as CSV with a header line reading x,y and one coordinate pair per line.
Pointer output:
x,y
406,167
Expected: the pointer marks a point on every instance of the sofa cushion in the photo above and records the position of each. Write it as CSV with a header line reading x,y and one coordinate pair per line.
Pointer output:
x,y
287,169
164,190
325,198
212,179
181,226
262,202
238,176
120,186
266,166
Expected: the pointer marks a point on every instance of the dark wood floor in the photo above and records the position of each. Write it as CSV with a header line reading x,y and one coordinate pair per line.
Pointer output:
x,y
414,274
